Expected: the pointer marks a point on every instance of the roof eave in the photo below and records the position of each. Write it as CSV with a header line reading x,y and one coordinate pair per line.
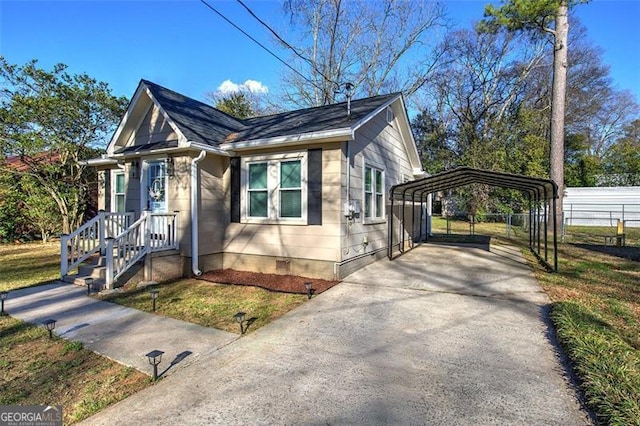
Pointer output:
x,y
289,140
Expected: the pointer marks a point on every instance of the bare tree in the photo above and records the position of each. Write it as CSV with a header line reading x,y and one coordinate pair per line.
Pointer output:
x,y
378,46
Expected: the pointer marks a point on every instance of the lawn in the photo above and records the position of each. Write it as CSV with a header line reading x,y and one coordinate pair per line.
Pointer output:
x,y
596,312
37,370
24,265
209,304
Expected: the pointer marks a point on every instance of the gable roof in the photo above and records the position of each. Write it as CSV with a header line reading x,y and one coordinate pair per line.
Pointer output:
x,y
196,120
201,126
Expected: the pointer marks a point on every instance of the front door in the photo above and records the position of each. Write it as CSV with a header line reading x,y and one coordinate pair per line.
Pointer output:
x,y
157,186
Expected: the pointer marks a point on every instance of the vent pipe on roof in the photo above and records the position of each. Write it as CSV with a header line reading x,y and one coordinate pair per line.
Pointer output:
x,y
348,92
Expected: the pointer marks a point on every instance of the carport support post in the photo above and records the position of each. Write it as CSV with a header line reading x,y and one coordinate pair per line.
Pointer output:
x,y
546,234
555,235
530,223
390,231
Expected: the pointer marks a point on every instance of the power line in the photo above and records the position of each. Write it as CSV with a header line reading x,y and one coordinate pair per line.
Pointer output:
x,y
259,44
287,45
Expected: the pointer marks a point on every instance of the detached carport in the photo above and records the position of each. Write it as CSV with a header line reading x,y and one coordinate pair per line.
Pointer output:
x,y
541,193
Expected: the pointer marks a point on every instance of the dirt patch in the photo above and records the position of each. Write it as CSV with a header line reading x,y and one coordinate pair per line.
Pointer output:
x,y
274,282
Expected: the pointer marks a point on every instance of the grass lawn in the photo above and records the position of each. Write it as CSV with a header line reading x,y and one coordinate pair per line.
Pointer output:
x,y
24,265
37,370
209,304
596,311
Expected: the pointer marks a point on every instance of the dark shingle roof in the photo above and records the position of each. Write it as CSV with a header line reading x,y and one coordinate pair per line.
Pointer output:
x,y
200,122
311,119
148,147
197,121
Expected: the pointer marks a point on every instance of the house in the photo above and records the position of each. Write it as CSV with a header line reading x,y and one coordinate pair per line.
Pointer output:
x,y
188,188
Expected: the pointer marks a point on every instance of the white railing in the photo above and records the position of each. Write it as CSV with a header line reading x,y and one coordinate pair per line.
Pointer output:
x,y
152,232
89,238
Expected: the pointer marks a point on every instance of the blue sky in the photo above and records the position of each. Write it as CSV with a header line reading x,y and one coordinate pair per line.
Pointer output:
x,y
188,48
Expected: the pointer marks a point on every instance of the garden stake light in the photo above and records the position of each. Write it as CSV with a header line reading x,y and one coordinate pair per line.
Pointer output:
x,y
49,324
239,317
307,285
154,295
89,283
3,297
155,357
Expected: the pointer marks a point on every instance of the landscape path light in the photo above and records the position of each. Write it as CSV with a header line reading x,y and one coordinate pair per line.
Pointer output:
x,y
155,358
49,324
3,297
239,317
89,283
154,296
308,285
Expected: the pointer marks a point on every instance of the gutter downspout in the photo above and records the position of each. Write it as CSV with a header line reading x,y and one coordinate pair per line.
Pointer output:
x,y
194,213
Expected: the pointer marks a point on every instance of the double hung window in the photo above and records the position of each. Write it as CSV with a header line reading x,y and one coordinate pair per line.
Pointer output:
x,y
275,189
118,192
373,193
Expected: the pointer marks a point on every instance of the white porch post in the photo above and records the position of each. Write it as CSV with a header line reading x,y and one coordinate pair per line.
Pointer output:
x,y
109,263
64,255
101,232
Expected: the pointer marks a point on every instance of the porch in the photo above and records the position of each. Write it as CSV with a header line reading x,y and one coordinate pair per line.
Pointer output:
x,y
118,243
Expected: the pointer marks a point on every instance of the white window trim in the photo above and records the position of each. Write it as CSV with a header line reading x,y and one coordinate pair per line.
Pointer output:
x,y
382,218
273,188
114,173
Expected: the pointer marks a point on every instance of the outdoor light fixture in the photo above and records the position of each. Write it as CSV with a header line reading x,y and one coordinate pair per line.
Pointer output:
x,y
3,297
239,317
154,296
89,283
155,357
170,167
307,285
49,324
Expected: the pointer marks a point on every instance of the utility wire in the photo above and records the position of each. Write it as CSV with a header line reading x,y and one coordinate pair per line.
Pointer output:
x,y
259,44
287,45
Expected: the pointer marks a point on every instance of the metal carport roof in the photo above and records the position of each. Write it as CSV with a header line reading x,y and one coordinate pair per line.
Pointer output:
x,y
539,191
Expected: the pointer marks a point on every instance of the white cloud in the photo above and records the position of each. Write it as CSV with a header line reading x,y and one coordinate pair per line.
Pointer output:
x,y
252,86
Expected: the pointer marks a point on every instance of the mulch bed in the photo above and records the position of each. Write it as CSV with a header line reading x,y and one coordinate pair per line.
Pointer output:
x,y
273,282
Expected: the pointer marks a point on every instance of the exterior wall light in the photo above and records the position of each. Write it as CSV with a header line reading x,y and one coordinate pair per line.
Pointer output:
x,y
239,317
49,324
155,357
3,297
170,167
154,296
307,286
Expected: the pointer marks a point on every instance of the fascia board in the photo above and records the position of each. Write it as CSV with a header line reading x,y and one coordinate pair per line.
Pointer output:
x,y
288,140
99,162
209,149
375,112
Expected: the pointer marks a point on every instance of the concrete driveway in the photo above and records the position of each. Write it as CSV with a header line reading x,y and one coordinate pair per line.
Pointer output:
x,y
441,335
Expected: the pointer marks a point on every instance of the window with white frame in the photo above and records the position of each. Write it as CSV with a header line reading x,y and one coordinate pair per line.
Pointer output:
x,y
119,192
373,193
275,188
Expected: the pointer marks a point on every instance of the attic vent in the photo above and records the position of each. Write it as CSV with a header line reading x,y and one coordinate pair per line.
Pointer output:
x,y
390,115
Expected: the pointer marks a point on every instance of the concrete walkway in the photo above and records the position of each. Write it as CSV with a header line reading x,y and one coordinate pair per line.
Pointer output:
x,y
442,335
122,334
